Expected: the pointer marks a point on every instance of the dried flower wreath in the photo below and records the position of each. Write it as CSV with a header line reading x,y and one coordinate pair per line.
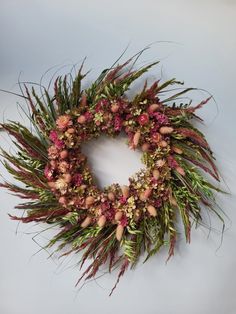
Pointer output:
x,y
116,224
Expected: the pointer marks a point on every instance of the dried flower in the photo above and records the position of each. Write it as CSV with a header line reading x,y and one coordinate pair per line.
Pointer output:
x,y
53,152
63,122
61,185
63,166
48,172
77,179
115,107
81,119
161,118
117,123
143,119
53,135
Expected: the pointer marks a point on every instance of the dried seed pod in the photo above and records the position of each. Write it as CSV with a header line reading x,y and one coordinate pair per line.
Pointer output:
x,y
177,150
52,184
152,210
145,147
89,201
136,138
81,119
67,177
62,200
118,216
145,195
101,221
87,221
156,174
111,196
64,154
153,108
83,100
137,214
163,144
180,170
119,232
166,130
173,200
115,107
125,191
71,130
142,197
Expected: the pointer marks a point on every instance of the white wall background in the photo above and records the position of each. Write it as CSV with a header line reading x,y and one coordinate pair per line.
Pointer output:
x,y
35,35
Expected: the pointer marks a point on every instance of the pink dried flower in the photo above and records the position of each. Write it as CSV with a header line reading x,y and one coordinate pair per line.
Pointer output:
x,y
53,152
124,221
161,118
172,162
101,104
53,164
53,136
122,200
88,115
77,179
118,123
143,119
48,172
64,121
156,137
110,214
59,144
158,203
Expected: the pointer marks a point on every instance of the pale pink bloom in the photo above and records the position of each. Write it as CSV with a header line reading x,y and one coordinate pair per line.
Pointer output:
x,y
63,166
61,185
63,121
52,152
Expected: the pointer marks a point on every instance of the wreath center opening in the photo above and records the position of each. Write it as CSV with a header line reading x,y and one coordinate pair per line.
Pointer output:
x,y
111,160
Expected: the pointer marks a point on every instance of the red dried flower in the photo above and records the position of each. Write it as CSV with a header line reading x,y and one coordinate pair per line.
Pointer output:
x,y
143,119
77,179
118,123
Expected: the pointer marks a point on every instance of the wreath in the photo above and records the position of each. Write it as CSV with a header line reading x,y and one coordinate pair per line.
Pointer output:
x,y
114,225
